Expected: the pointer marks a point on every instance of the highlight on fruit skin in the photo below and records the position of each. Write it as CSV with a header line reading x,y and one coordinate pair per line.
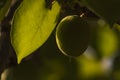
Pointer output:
x,y
72,35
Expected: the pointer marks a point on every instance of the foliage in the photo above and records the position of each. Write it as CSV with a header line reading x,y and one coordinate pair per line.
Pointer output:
x,y
30,31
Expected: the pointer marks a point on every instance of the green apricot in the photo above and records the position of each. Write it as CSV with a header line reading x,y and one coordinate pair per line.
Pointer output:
x,y
72,35
106,9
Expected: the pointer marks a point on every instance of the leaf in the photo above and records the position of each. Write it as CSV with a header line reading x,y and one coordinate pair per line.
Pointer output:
x,y
32,25
4,6
107,41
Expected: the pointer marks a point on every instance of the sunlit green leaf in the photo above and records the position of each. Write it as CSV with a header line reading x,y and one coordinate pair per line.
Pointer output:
x,y
4,6
104,39
32,25
107,41
89,67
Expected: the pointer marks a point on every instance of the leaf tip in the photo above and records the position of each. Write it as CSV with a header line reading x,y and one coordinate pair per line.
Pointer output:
x,y
19,59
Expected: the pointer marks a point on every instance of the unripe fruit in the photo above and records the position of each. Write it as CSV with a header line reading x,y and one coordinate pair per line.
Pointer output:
x,y
72,35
